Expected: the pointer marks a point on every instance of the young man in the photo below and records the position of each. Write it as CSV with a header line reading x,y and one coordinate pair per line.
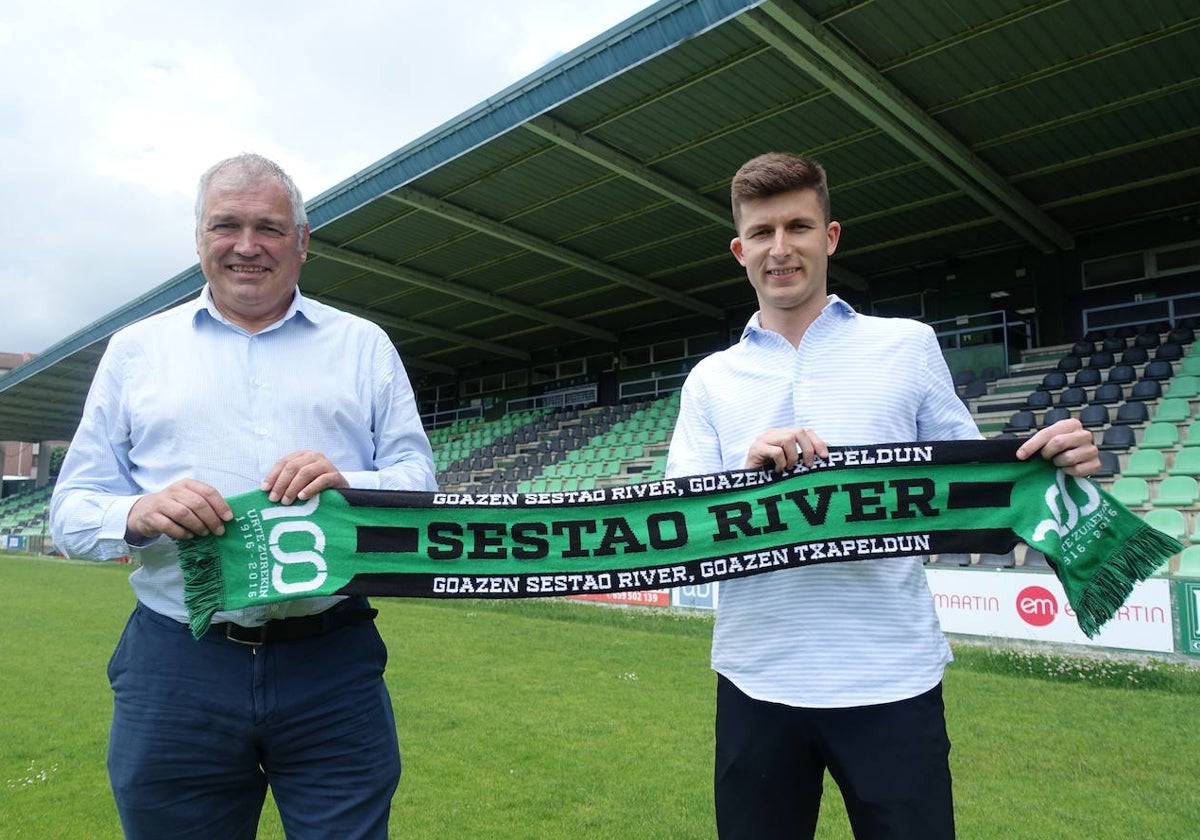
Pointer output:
x,y
249,386
835,666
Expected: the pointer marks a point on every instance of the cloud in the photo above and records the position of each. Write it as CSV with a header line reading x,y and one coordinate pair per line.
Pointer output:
x,y
111,111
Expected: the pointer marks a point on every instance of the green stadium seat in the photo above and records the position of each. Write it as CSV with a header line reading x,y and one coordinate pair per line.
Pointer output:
x,y
1183,387
1189,562
1145,463
1190,365
1168,520
1178,491
1187,462
1192,436
1160,436
1131,492
1173,410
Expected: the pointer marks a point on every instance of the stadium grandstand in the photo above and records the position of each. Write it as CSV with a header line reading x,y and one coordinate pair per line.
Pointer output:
x,y
1020,174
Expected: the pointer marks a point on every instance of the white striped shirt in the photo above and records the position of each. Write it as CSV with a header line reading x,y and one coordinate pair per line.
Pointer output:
x,y
838,634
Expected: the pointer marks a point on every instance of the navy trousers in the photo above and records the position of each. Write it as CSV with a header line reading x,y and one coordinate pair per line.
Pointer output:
x,y
201,728
891,762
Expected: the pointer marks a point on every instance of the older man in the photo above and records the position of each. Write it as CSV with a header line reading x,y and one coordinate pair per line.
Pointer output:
x,y
248,386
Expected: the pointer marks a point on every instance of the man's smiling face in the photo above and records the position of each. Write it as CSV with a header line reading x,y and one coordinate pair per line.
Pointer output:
x,y
784,243
250,251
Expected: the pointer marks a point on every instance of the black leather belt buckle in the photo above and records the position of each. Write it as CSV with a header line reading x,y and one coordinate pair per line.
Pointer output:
x,y
246,635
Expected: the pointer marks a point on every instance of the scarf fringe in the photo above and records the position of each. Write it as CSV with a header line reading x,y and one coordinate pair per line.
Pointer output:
x,y
1106,591
203,583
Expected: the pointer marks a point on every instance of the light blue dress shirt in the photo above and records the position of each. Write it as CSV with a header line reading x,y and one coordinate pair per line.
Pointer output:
x,y
187,394
840,634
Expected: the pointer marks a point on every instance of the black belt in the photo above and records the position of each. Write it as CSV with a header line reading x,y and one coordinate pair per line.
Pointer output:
x,y
294,629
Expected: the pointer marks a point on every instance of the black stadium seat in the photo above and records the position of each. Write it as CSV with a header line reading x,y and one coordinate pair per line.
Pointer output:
x,y
1110,464
975,388
1123,374
1169,352
1054,415
1135,356
1159,369
1181,335
1110,393
1038,400
1072,396
1054,380
1132,414
1094,416
1021,421
1117,437
1145,390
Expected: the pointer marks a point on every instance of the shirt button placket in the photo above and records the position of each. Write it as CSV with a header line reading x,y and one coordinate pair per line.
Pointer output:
x,y
259,410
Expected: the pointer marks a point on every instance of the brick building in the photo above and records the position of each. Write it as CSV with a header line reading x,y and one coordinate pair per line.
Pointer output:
x,y
20,457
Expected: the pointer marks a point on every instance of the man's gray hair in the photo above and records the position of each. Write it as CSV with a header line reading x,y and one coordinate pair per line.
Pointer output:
x,y
246,170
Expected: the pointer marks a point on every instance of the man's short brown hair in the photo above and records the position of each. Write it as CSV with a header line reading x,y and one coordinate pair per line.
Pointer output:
x,y
774,173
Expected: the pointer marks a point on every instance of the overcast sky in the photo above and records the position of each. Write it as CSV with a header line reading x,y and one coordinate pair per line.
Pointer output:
x,y
110,111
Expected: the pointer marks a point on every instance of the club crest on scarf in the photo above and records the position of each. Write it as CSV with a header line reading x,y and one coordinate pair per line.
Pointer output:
x,y
1077,514
295,544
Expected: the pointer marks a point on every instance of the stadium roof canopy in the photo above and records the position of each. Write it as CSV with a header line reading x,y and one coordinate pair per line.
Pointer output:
x,y
588,202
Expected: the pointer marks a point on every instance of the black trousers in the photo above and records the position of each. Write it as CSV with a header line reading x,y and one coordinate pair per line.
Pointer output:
x,y
891,762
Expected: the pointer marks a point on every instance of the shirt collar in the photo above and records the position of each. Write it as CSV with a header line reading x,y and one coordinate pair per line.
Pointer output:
x,y
302,306
834,307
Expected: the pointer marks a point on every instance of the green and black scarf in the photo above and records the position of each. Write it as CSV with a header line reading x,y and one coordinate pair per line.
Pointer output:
x,y
868,502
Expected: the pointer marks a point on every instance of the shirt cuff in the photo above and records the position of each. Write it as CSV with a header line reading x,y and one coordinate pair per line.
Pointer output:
x,y
362,479
115,523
